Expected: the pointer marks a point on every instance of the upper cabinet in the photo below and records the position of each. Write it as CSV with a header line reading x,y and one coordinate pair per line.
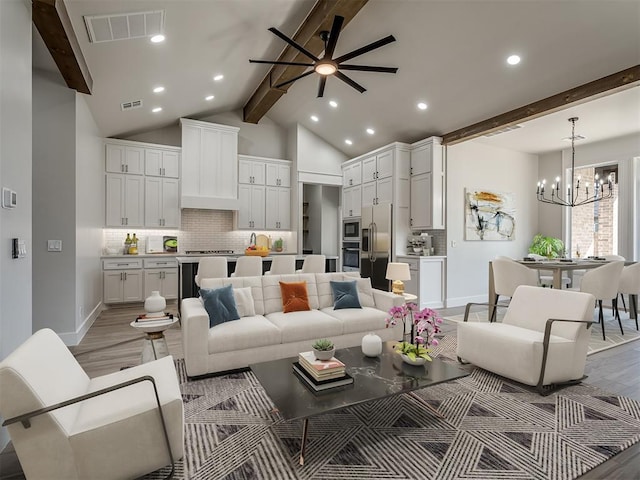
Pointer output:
x,y
427,185
351,174
124,158
279,174
209,165
161,163
250,172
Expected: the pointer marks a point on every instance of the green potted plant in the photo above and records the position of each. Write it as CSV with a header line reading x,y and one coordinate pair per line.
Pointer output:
x,y
277,245
549,247
323,349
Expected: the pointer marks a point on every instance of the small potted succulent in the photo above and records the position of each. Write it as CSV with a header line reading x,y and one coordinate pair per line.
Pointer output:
x,y
277,245
323,349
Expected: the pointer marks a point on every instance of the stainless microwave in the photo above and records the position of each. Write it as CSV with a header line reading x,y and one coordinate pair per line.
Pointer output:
x,y
351,230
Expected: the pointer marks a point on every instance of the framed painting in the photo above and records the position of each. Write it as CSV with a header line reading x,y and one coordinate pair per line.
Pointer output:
x,y
489,215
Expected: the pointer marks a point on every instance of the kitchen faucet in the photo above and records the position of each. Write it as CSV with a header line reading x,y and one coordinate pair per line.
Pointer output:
x,y
252,239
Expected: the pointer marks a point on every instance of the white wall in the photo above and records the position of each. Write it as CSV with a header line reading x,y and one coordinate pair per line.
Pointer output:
x,y
89,217
265,139
314,155
330,219
477,166
54,203
549,216
15,173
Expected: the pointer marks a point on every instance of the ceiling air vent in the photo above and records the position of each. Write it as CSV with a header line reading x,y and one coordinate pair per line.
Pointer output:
x,y
130,105
503,130
108,28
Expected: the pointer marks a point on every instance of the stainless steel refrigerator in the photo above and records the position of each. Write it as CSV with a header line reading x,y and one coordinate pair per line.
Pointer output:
x,y
376,244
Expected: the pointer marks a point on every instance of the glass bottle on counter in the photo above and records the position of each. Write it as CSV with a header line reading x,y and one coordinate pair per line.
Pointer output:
x,y
127,244
133,248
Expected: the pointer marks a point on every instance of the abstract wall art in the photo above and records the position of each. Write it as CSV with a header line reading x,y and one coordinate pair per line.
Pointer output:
x,y
489,215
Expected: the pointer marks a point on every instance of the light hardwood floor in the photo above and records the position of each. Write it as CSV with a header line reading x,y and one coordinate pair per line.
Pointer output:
x,y
111,343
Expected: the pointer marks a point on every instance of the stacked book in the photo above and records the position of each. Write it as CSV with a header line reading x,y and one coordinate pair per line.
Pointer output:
x,y
151,318
321,374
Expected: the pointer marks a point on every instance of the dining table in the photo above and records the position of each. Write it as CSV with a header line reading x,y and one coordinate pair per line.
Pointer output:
x,y
558,267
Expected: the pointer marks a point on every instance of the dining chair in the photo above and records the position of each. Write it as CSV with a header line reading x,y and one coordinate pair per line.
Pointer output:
x,y
313,264
630,285
211,267
545,277
603,282
282,265
248,266
507,276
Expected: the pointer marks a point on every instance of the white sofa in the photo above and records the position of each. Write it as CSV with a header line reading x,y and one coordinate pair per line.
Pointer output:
x,y
271,334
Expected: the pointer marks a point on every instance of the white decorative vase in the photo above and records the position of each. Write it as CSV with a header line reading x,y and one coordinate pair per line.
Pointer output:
x,y
371,345
418,361
155,304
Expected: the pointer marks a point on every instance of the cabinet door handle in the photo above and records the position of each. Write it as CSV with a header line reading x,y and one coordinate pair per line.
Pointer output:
x,y
122,167
411,222
374,175
410,170
121,276
351,181
125,276
126,168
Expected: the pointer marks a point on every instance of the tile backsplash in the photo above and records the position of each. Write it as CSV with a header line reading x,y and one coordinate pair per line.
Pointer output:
x,y
200,230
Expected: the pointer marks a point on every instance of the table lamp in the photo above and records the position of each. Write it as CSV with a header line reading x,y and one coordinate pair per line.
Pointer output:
x,y
397,272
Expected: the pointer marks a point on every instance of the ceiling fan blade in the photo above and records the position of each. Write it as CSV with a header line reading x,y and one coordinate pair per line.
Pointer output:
x,y
293,44
368,68
291,80
321,84
333,36
282,63
365,49
350,82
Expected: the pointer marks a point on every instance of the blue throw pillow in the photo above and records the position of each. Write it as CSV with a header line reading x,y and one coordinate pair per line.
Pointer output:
x,y
219,304
345,295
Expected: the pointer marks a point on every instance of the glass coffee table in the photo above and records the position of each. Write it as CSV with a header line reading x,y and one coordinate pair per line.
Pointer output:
x,y
373,379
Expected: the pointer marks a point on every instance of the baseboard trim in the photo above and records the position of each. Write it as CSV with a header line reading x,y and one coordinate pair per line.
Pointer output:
x,y
71,339
462,301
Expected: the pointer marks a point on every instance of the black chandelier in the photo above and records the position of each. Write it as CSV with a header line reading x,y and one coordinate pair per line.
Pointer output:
x,y
575,195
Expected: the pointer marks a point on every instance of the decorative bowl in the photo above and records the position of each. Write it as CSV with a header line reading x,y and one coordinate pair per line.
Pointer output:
x,y
417,362
324,354
256,253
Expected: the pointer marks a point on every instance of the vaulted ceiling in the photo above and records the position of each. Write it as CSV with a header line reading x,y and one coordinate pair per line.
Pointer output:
x,y
451,55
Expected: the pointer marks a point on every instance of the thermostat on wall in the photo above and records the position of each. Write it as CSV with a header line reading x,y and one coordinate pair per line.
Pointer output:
x,y
9,198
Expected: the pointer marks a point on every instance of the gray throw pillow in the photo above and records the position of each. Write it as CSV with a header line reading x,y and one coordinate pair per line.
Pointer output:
x,y
345,295
219,304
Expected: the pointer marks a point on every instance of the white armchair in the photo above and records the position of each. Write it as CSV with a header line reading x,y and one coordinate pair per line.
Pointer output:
x,y
542,340
65,425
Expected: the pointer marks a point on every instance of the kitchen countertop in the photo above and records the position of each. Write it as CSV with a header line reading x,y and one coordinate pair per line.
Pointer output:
x,y
232,258
193,257
408,255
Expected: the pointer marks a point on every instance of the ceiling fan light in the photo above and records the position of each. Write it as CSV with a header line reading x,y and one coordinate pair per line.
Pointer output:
x,y
326,68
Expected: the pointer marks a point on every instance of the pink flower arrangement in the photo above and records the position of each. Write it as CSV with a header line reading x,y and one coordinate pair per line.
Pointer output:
x,y
425,324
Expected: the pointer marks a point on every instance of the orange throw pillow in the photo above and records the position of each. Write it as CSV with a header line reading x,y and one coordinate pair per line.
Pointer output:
x,y
294,297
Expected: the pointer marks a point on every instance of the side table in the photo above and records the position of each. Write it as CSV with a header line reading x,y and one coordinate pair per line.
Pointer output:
x,y
155,344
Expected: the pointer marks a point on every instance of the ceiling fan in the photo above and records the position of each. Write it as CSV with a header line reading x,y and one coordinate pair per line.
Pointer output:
x,y
327,65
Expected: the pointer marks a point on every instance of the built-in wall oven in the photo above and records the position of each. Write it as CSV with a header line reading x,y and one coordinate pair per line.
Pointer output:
x,y
350,256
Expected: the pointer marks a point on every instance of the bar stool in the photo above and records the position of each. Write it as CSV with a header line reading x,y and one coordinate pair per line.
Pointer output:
x,y
211,267
282,265
248,266
313,264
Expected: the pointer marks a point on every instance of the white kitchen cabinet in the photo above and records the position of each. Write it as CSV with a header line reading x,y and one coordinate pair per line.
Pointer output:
x,y
209,165
121,286
251,172
278,174
378,192
352,201
161,274
123,158
351,174
251,213
377,166
278,213
124,200
427,185
162,202
427,280
161,163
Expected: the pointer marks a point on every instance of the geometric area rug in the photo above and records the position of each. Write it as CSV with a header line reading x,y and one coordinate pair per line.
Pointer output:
x,y
492,428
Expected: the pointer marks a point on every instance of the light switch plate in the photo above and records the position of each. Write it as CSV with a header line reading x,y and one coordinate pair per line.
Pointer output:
x,y
54,245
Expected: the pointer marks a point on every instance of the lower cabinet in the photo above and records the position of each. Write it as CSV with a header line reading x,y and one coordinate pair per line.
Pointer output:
x,y
427,280
133,280
161,275
121,286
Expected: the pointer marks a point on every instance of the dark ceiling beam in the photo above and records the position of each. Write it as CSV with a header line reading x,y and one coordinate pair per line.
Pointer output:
x,y
320,18
52,21
597,88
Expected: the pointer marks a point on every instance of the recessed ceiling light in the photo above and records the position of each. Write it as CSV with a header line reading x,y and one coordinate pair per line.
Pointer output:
x,y
348,142
513,60
158,90
370,131
333,103
422,106
157,38
208,98
218,77
157,109
314,118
